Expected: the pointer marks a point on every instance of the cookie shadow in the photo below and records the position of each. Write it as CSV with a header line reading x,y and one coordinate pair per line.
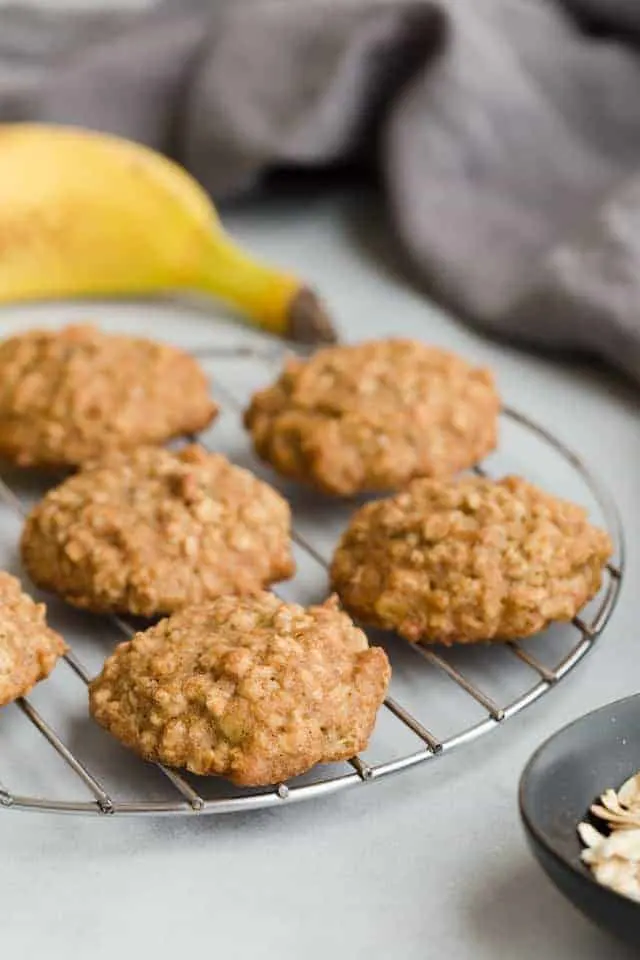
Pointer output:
x,y
126,778
122,774
30,484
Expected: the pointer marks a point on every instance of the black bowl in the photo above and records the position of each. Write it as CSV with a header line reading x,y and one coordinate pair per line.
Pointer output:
x,y
560,782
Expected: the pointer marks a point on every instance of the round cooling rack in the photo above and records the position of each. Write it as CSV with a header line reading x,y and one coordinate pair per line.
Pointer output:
x,y
440,699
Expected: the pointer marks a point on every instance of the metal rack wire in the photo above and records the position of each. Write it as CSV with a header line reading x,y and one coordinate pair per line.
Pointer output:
x,y
187,799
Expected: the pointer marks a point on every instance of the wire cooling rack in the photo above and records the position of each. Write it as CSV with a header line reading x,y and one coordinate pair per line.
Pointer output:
x,y
467,692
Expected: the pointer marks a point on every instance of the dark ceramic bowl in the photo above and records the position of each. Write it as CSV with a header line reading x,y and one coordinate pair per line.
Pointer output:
x,y
560,782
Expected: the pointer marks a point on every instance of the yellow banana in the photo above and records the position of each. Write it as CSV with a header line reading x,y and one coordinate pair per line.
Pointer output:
x,y
87,214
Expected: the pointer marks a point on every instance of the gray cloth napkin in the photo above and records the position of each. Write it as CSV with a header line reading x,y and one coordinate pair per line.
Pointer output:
x,y
506,133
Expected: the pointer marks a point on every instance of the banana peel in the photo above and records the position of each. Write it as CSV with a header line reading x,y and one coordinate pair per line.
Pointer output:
x,y
85,214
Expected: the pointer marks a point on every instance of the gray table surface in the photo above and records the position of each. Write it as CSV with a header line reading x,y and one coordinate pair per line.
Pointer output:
x,y
430,862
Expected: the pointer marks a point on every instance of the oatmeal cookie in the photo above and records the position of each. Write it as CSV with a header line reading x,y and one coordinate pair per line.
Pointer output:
x,y
466,560
151,531
249,688
67,396
29,649
374,415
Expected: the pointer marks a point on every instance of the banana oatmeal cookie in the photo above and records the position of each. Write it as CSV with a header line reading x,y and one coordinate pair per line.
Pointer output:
x,y
466,560
374,415
249,688
151,531
67,396
29,649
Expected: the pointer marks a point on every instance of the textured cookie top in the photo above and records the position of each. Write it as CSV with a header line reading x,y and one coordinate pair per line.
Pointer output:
x,y
29,649
151,531
68,396
374,415
469,560
250,688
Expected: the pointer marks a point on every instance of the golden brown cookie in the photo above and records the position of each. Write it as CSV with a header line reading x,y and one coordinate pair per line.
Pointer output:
x,y
374,415
151,531
466,560
29,649
68,396
249,688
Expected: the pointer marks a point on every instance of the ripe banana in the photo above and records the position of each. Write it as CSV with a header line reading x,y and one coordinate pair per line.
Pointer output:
x,y
86,214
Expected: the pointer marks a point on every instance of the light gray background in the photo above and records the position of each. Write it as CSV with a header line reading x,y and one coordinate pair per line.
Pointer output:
x,y
425,864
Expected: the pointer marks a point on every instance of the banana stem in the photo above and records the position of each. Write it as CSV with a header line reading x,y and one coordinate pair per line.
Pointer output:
x,y
257,290
277,301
